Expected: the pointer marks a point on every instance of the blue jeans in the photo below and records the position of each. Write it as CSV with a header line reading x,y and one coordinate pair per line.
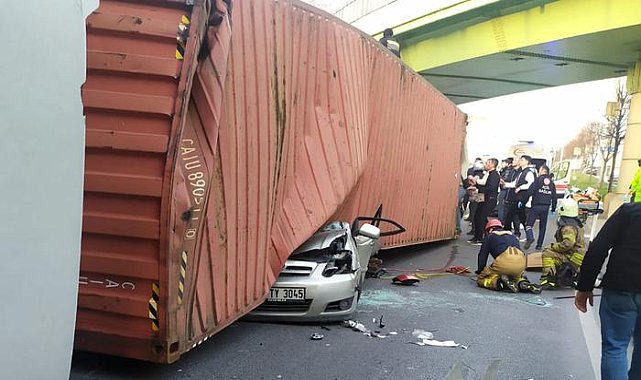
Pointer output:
x,y
459,208
620,320
539,212
500,208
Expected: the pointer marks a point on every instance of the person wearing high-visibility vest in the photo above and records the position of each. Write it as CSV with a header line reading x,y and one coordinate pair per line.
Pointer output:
x,y
635,186
562,260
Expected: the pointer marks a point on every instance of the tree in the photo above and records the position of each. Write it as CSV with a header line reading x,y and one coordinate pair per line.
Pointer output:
x,y
589,138
614,133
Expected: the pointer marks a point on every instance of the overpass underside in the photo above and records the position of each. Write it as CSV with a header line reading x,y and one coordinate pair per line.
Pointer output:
x,y
507,46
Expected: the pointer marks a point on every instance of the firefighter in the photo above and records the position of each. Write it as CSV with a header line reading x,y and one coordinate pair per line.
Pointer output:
x,y
506,272
562,259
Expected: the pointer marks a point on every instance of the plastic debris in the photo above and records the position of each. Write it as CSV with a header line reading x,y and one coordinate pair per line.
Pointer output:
x,y
316,336
422,334
438,343
381,324
426,338
357,326
538,301
405,279
392,333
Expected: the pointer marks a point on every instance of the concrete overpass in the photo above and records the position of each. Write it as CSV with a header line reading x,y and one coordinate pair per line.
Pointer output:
x,y
479,49
510,46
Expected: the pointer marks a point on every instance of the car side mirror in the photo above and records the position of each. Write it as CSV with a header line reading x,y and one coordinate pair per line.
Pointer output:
x,y
369,231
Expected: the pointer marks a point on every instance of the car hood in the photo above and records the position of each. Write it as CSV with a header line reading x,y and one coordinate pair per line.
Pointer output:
x,y
319,241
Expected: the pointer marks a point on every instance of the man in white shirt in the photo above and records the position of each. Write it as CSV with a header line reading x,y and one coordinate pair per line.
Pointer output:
x,y
518,194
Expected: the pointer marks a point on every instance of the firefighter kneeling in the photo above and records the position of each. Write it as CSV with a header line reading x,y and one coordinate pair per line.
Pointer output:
x,y
506,272
562,260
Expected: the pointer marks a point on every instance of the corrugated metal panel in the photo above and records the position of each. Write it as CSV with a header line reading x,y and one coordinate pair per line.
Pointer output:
x,y
416,138
132,92
316,122
196,195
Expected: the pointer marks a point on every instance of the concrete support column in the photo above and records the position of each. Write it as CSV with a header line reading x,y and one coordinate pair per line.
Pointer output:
x,y
632,147
632,142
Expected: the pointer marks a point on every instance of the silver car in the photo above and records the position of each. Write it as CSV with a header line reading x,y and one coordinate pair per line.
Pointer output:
x,y
323,278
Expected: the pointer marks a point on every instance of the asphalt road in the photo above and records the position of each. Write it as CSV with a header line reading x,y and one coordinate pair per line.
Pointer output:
x,y
507,336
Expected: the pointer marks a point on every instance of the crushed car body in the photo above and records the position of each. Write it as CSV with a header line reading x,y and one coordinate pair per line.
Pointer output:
x,y
323,278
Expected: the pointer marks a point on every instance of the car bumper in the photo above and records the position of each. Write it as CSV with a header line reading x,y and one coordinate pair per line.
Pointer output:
x,y
322,301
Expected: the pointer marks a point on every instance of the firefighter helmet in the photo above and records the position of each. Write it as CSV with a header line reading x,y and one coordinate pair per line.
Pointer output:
x,y
494,223
568,207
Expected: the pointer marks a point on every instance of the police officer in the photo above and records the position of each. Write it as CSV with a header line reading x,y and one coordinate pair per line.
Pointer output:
x,y
506,272
562,260
518,194
543,194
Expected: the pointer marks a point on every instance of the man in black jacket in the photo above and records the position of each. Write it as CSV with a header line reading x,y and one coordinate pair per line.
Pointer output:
x,y
543,194
488,186
620,309
506,174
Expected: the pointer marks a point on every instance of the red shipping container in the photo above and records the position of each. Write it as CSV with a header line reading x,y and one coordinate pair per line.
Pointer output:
x,y
217,142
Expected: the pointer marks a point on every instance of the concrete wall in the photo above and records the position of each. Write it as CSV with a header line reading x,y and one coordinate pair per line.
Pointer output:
x,y
41,169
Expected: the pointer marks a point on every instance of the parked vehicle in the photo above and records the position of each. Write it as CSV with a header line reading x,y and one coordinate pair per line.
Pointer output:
x,y
322,280
539,154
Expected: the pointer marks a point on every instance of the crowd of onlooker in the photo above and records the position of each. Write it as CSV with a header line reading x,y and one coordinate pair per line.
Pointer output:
x,y
518,193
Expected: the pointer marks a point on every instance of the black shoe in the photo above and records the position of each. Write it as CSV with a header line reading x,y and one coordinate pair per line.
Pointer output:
x,y
507,285
528,244
475,242
538,248
547,284
527,286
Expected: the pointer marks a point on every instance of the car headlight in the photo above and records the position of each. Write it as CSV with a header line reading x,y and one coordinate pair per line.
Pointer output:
x,y
340,263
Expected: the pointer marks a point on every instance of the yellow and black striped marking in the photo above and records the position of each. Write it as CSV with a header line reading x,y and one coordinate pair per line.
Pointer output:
x,y
183,271
153,306
181,37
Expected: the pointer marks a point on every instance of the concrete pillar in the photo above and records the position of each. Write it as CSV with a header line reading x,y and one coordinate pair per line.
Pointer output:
x,y
42,156
632,142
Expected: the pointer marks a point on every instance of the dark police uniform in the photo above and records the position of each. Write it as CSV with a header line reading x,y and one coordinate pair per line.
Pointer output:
x,y
543,194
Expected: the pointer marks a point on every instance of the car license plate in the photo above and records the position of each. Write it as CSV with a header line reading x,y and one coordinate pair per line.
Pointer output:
x,y
286,294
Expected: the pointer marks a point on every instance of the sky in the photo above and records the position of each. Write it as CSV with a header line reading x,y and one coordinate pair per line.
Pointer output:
x,y
550,117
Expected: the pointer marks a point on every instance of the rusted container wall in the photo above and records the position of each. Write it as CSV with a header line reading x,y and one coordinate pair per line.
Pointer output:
x,y
416,137
317,122
202,175
133,99
290,146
